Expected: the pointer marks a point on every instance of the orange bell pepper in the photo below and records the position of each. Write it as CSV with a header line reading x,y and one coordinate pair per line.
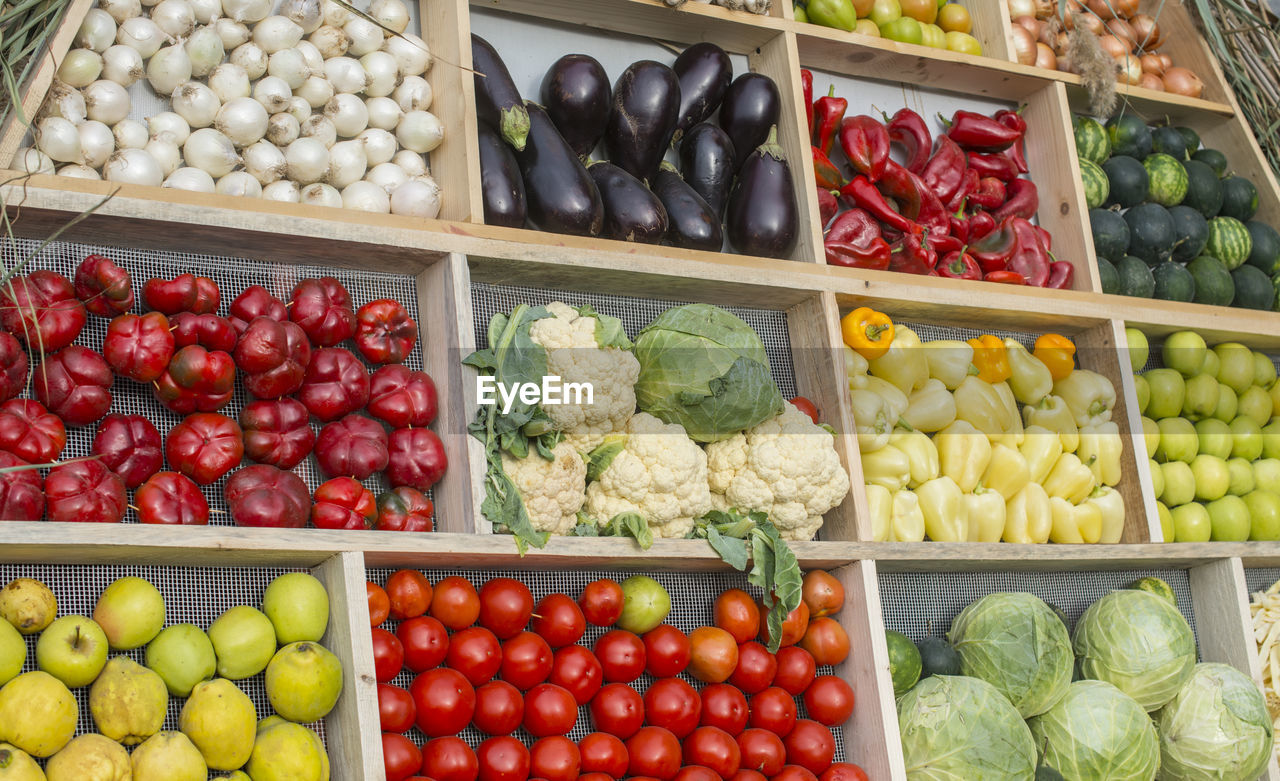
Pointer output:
x,y
992,359
868,332
1058,353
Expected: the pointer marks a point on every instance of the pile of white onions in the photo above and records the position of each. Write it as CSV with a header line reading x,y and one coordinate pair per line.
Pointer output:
x,y
312,104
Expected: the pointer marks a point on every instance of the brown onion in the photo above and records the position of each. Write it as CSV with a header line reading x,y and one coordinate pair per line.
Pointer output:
x,y
1105,9
1151,81
1167,61
1113,46
1130,69
1092,23
1065,65
1024,45
1045,58
1125,9
1046,9
1122,30
1019,8
1030,24
1151,63
1047,36
1181,81
1146,32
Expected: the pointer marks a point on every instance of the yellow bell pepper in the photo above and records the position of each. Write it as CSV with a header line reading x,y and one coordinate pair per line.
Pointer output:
x,y
986,515
880,506
1074,524
1069,479
1110,506
888,467
931,407
907,523
946,516
1028,376
1100,448
872,420
950,360
904,364
991,358
1011,420
855,367
1052,413
1027,516
979,404
963,453
1150,435
1058,353
1157,477
1007,472
1089,395
922,455
867,331
1041,449
896,400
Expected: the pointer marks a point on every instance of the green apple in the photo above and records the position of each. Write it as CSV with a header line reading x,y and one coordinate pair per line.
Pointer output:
x,y
1236,365
72,649
131,612
13,653
1264,508
1191,523
244,641
1242,479
1211,364
1167,531
298,607
1201,397
1178,440
1167,391
1228,404
1179,483
1266,474
1215,437
182,656
1264,370
1271,439
1229,517
1139,349
1212,477
1274,393
1247,438
1150,435
1143,391
1184,352
1256,404
645,603
1157,477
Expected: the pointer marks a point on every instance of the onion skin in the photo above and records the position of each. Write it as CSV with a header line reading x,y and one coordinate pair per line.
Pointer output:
x,y
1113,46
1122,30
1103,8
1045,58
1181,81
1151,81
1146,32
1021,8
1125,9
1167,60
1024,45
1151,63
1031,25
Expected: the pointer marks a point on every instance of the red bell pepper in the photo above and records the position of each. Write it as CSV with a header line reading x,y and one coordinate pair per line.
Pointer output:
x,y
1005,277
998,166
827,205
968,186
873,255
171,498
277,432
404,509
384,331
862,194
981,224
1045,238
989,195
945,172
912,255
854,225
958,265
866,143
417,458
944,243
828,112
343,503
825,171
1061,273
1030,258
908,129
1014,121
104,287
1023,200
355,446
806,83
994,250
979,132
262,495
400,397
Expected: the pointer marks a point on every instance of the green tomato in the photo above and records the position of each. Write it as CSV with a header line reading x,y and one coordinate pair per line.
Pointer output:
x,y
1179,483
1264,370
1237,365
1201,397
801,14
1212,477
1255,403
1215,437
1264,510
1144,393
885,11
1184,352
1228,404
1211,364
1274,393
1191,523
963,43
1229,519
1266,474
904,29
1178,440
1167,391
1242,479
1157,477
1271,439
932,35
1246,438
1150,435
1139,348
1167,531
867,27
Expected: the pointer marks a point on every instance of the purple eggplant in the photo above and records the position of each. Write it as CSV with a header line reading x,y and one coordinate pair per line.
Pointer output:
x,y
646,104
707,163
762,218
498,102
500,181
704,71
560,194
750,107
576,95
692,223
631,211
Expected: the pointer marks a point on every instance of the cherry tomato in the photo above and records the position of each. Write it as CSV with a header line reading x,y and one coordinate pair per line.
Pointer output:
x,y
104,287
559,620
139,346
171,498
505,607
806,406
396,711
335,384
277,432
75,384
385,333
343,503
456,603
714,654
526,660
823,594
445,701
736,612
829,700
503,759
322,308
549,710
402,398
410,593
827,641
262,495
713,748
355,446
723,706
621,655
42,310
400,757
755,670
84,491
404,509
842,771
601,602
796,669
555,758
618,710
379,604
388,655
655,752
130,446
762,751
810,745
603,753
13,366
773,709
425,642
499,708
31,432
578,671
449,759
744,774
416,458
673,704
21,492
667,651
475,653
695,773
793,626
205,446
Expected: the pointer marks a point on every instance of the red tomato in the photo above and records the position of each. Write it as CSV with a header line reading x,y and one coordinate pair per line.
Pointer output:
x,y
425,642
829,700
130,446
793,626
410,593
42,310
31,432
526,661
449,759
277,432
673,704
617,709
355,446
666,651
75,384
104,287
843,771
21,492
578,671
262,495
379,604
503,759
806,406
396,711
84,491
810,745
499,708
322,308
773,709
335,384
559,620
796,669
343,503
744,774
594,777
402,398
736,612
723,706
13,366
621,655
475,653
205,446
603,753
505,606
404,509
416,458
456,603
388,655
263,345
601,602
549,710
762,751
445,700
714,654
713,748
400,757
755,670
138,346
653,751
555,758
291,372
183,293
696,773
822,593
171,498
385,334
208,330
196,380
827,641
794,773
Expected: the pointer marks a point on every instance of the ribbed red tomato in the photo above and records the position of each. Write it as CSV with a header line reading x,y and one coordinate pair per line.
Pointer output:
x,y
416,458
354,446
171,498
130,446
104,287
13,366
322,308
343,503
21,492
205,446
207,330
385,333
139,346
84,491
75,384
256,301
262,495
31,432
42,310
401,398
277,432
335,384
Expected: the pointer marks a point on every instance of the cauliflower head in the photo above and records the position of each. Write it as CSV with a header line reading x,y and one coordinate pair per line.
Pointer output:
x,y
660,473
552,491
575,355
786,466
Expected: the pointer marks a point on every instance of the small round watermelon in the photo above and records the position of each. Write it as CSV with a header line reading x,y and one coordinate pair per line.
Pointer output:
x,y
1170,142
1129,136
1129,181
1151,232
1253,289
1191,231
1167,179
1110,233
1135,277
1266,247
1239,198
1212,158
1191,137
1092,142
1229,241
1108,276
1214,285
1097,187
1173,282
904,662
1204,189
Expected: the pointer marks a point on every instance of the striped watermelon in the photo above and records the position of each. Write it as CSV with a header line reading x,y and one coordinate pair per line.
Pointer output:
x,y
1167,179
1275,283
1096,184
1229,241
1092,142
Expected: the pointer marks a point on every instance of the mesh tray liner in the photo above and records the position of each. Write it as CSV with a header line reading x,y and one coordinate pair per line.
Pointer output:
x,y
193,595
692,596
233,275
1261,578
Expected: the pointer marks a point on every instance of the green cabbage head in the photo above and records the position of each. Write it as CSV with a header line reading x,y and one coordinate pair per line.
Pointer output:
x,y
956,728
1216,728
706,369
1138,642
1097,732
1015,642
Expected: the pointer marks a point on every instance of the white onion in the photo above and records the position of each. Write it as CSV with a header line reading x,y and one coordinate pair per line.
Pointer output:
x,y
251,58
384,113
316,91
365,36
414,94
169,69
196,103
247,11
80,68
283,129
192,179
149,3
206,51
106,101
391,14
335,14
133,166
283,190
384,73
122,64
206,11
78,171
348,114
231,32
169,126
175,17
228,81
60,140
121,9
290,66
307,14
299,109
66,102
32,161
311,56
243,120
97,31
130,134
388,176
276,33
307,160
346,74
142,34
366,197
347,163
273,93
420,131
411,162
265,162
411,53
321,195
240,184
379,145
419,197
166,153
321,128
210,150
97,143
330,41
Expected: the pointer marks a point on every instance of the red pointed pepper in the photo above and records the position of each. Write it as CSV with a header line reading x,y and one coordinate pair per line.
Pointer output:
x,y
945,172
991,194
855,225
806,82
1061,273
968,186
908,129
866,143
994,250
944,243
861,193
875,255
1014,121
915,200
912,255
1022,200
979,132
1045,238
825,171
1029,258
827,205
997,166
1005,277
981,224
958,265
828,112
